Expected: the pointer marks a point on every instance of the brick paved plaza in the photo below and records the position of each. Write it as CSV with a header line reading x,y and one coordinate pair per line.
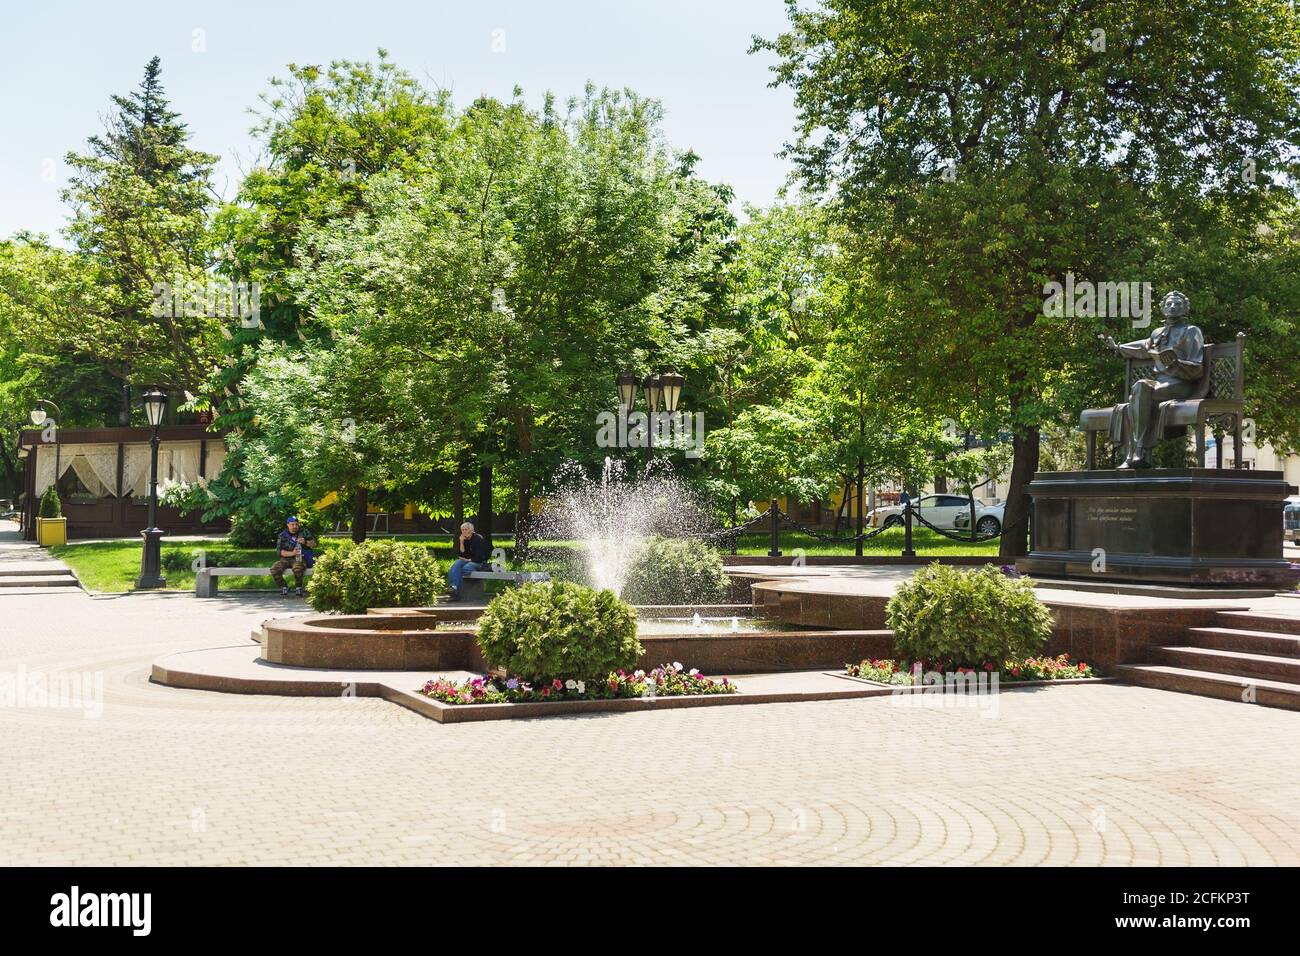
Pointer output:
x,y
1106,774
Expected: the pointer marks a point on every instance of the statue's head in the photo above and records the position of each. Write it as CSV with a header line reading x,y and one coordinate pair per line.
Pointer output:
x,y
1175,307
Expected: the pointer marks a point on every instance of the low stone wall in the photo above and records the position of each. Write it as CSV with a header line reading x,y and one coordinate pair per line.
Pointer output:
x,y
412,641
1104,636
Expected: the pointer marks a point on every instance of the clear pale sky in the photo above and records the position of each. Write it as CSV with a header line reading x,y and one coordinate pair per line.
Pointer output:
x,y
60,61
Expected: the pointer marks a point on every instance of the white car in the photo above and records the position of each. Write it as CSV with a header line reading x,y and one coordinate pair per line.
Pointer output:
x,y
988,518
950,512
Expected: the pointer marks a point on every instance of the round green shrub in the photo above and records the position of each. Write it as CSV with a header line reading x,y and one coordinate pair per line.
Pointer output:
x,y
967,618
381,573
675,571
558,630
51,507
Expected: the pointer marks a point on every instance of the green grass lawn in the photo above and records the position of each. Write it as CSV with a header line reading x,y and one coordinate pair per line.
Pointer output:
x,y
113,565
925,543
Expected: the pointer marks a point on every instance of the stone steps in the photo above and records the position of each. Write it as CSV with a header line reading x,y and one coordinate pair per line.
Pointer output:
x,y
1249,656
1240,639
1270,693
1259,621
48,579
1231,662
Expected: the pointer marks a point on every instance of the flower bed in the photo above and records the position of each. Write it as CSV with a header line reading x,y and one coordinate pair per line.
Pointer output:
x,y
1029,669
669,680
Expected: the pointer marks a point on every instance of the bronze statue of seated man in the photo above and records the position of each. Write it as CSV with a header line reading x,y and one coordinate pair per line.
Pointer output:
x,y
1177,349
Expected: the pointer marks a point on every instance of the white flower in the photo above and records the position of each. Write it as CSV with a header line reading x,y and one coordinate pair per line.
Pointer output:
x,y
639,674
570,684
694,671
677,666
582,687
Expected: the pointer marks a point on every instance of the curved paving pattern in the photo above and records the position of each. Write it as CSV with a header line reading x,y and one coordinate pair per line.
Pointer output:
x,y
1087,775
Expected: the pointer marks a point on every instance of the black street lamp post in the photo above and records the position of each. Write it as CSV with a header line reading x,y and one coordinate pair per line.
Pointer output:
x,y
39,415
155,402
662,392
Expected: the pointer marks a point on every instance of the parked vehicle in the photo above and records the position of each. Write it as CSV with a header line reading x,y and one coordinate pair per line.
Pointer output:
x,y
988,518
1291,519
950,512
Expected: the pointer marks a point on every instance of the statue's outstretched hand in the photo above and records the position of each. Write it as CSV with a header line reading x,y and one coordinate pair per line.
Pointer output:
x,y
1109,342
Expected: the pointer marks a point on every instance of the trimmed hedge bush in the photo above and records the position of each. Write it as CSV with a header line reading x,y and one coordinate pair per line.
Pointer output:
x,y
675,571
967,618
51,507
380,573
558,630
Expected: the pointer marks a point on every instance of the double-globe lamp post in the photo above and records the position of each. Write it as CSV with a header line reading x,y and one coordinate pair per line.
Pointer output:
x,y
662,390
39,416
155,403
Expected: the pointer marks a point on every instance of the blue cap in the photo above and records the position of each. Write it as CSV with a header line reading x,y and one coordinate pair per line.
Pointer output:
x,y
292,519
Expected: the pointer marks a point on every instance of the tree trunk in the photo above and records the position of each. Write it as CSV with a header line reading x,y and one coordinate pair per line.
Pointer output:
x,y
359,501
858,503
124,413
483,523
844,503
940,484
1015,537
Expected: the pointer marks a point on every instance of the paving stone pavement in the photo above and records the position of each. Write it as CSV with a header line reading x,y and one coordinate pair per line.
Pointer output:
x,y
1067,775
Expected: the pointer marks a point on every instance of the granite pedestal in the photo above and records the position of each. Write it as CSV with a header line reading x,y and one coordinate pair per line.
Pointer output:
x,y
1188,526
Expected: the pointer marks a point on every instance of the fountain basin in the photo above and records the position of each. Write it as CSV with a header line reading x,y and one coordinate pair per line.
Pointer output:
x,y
442,639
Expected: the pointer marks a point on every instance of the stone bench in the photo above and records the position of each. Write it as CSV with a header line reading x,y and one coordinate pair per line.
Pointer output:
x,y
206,579
472,587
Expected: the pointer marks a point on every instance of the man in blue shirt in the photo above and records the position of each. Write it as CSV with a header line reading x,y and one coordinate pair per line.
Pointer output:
x,y
471,556
295,549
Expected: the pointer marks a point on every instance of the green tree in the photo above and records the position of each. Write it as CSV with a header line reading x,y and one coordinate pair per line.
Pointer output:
x,y
981,156
140,198
508,285
329,135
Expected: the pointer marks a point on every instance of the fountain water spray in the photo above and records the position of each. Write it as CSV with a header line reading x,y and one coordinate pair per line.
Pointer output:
x,y
613,516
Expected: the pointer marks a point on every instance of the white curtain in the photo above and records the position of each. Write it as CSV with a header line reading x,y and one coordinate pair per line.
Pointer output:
x,y
81,466
216,458
95,465
182,463
135,470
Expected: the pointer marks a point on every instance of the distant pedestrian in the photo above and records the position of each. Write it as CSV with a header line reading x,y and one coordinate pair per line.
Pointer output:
x,y
471,556
294,546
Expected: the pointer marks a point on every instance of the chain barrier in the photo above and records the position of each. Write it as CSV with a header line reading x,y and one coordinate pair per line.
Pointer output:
x,y
822,536
973,537
736,529
729,535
